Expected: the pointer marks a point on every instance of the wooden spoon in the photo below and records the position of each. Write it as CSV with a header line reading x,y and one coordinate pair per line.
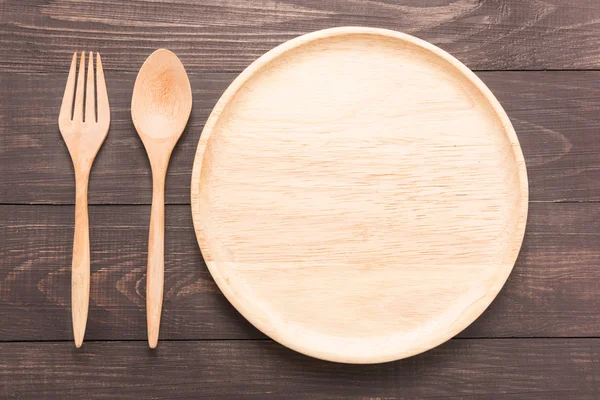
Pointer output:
x,y
160,108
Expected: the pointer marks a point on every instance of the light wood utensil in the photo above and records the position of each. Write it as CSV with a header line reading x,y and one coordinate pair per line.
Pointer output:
x,y
84,134
160,108
359,195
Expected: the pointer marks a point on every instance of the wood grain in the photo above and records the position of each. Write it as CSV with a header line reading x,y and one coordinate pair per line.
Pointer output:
x,y
551,292
83,134
534,369
35,276
160,108
359,189
121,172
554,115
226,36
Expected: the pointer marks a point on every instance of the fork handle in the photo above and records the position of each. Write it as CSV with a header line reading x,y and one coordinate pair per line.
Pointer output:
x,y
80,271
156,257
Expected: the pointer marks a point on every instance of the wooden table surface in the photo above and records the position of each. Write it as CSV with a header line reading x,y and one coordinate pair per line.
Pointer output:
x,y
540,339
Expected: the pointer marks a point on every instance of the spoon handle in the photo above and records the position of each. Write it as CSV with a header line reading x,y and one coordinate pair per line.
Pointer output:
x,y
156,257
80,267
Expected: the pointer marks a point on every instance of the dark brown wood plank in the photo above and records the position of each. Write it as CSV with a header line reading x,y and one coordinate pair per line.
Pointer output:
x,y
211,35
554,113
543,369
552,291
35,294
34,160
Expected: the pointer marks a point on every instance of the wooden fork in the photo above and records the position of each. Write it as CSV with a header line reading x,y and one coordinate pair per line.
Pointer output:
x,y
83,134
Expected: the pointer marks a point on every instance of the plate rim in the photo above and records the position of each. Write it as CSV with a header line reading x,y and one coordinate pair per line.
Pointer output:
x,y
475,309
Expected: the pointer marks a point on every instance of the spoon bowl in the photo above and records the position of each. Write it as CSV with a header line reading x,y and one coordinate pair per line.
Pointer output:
x,y
160,108
162,98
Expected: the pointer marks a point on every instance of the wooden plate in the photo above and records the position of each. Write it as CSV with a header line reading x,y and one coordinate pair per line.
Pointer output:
x,y
359,195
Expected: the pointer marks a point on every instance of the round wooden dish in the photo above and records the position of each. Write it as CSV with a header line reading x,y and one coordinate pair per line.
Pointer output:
x,y
359,195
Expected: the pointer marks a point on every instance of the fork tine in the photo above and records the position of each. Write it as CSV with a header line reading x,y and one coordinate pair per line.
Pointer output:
x,y
67,102
103,107
78,113
90,98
